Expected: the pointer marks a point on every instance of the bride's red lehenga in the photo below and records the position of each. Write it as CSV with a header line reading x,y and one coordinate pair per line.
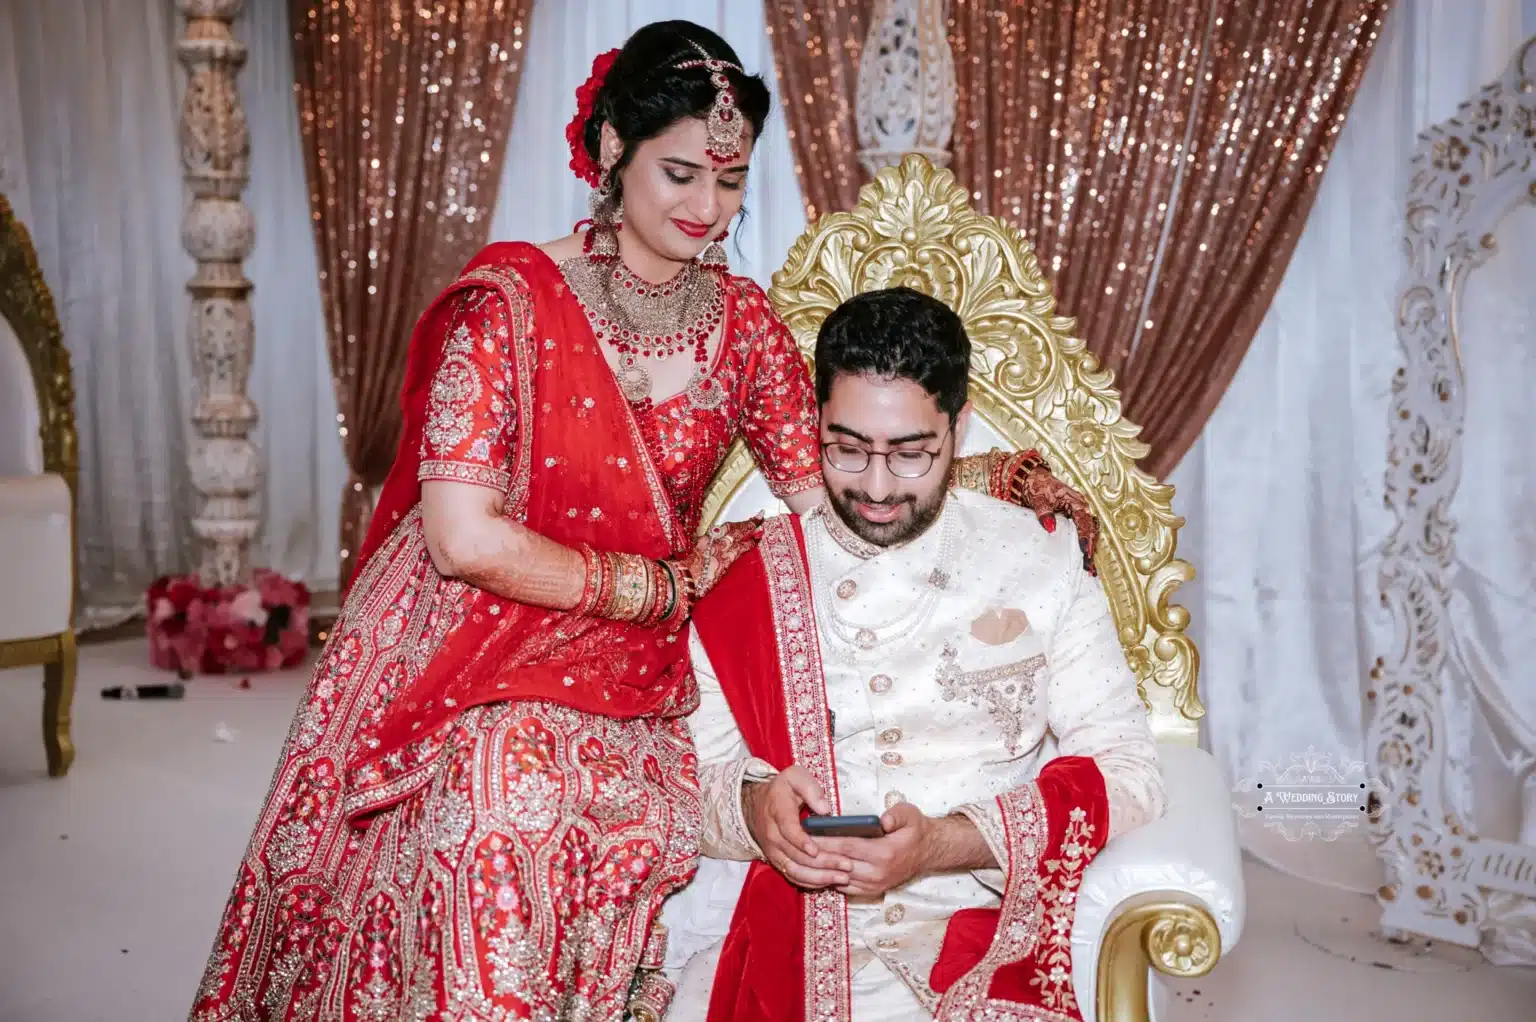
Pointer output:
x,y
481,804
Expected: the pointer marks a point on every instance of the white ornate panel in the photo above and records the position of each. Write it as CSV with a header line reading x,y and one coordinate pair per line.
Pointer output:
x,y
1444,880
906,89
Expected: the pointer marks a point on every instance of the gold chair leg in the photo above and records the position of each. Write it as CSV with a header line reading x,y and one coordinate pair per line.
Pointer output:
x,y
58,701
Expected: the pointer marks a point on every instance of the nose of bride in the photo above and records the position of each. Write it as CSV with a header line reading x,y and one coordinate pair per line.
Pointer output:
x,y
705,209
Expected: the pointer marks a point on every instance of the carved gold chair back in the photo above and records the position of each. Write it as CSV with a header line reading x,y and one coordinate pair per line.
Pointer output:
x,y
27,308
37,431
1033,384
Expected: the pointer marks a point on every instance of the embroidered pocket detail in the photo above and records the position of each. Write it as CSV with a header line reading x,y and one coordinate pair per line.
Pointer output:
x,y
1003,691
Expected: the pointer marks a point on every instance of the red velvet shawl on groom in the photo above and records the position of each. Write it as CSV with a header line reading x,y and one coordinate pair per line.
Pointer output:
x,y
787,953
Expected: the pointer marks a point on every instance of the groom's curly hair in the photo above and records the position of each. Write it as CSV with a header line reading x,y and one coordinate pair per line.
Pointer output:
x,y
897,333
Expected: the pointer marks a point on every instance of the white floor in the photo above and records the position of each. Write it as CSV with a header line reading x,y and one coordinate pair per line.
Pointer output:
x,y
111,880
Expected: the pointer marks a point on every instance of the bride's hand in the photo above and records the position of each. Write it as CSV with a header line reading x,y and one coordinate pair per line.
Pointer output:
x,y
1033,486
716,551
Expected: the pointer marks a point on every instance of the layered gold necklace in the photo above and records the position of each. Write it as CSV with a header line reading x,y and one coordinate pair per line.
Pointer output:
x,y
641,320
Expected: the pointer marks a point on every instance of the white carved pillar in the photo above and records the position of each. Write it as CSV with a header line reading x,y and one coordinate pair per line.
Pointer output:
x,y
906,100
219,232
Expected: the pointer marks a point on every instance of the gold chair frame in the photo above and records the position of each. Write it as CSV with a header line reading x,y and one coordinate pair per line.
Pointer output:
x,y
27,305
1036,386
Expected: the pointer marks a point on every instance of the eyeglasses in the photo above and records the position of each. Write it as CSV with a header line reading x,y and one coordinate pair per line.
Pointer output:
x,y
903,464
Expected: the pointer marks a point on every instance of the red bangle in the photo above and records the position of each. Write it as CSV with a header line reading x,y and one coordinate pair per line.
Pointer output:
x,y
592,583
651,601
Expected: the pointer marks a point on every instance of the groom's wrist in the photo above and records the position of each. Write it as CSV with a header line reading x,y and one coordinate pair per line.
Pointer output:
x,y
755,775
954,845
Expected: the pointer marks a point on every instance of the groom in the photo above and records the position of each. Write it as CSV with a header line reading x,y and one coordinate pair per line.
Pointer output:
x,y
909,652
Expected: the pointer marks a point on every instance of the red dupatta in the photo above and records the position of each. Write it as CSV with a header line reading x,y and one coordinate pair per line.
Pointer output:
x,y
786,955
581,473
759,629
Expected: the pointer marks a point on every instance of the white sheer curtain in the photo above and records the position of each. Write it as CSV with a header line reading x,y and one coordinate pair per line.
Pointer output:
x,y
90,96
1283,492
291,375
540,198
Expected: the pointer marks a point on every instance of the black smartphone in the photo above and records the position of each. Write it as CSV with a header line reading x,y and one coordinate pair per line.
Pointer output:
x,y
843,826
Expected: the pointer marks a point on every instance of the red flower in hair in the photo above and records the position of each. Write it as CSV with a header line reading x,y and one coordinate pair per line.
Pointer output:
x,y
585,167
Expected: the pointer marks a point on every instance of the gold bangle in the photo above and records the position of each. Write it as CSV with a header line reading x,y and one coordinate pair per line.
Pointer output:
x,y
974,472
626,595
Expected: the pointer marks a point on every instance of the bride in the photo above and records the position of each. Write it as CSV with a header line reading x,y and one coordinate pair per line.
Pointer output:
x,y
490,786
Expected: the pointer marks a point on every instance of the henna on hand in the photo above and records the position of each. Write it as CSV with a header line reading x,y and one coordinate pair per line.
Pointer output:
x,y
715,552
1033,486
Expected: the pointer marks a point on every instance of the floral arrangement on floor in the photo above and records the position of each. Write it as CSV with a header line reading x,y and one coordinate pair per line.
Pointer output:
x,y
196,629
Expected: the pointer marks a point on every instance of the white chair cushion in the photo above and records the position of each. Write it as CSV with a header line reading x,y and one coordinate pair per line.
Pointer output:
x,y
1192,848
36,556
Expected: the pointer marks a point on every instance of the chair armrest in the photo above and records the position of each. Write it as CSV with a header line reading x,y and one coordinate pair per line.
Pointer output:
x,y
1158,896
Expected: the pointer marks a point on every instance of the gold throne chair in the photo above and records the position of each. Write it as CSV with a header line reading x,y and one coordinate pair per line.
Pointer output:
x,y
38,468
1167,898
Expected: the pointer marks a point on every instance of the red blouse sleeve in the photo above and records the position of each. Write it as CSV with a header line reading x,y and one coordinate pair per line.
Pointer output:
x,y
471,422
778,413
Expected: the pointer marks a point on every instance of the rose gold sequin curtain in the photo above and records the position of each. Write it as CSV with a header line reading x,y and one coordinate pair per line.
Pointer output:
x,y
816,46
1162,156
404,109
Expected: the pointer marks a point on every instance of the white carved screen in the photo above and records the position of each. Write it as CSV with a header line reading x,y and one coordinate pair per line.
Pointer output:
x,y
1453,703
906,89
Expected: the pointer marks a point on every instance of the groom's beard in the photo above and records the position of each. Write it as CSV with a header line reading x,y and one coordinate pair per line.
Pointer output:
x,y
921,511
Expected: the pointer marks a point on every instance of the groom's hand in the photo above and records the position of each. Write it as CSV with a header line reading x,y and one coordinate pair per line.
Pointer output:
x,y
880,864
772,811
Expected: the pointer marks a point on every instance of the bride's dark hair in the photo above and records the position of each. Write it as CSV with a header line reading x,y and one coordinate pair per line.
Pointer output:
x,y
645,92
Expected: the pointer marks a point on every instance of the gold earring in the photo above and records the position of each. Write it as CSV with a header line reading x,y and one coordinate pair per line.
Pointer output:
x,y
713,257
602,242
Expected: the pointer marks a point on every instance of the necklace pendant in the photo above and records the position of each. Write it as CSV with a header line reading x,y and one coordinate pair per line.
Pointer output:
x,y
634,382
705,393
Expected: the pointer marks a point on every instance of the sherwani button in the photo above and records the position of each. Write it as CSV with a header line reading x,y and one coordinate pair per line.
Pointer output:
x,y
890,736
886,943
891,758
846,589
895,913
892,797
880,684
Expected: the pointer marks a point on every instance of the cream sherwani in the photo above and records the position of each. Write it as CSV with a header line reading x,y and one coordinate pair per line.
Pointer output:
x,y
955,666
